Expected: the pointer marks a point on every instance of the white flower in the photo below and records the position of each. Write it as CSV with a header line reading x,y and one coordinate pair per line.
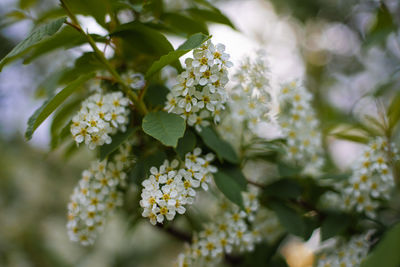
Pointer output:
x,y
95,198
169,188
230,231
99,117
200,87
134,80
371,179
300,126
351,253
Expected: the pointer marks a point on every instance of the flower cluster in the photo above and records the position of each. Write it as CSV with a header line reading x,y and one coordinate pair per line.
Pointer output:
x,y
96,196
372,177
232,230
349,254
169,188
200,92
251,96
300,126
100,116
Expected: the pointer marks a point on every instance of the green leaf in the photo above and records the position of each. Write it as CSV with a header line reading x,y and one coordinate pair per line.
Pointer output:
x,y
156,95
186,144
229,187
289,218
53,13
67,37
51,104
143,38
25,4
36,36
60,119
334,224
283,188
117,140
181,24
287,170
210,15
351,133
223,149
95,8
165,127
192,42
383,26
237,175
141,168
17,15
386,253
394,112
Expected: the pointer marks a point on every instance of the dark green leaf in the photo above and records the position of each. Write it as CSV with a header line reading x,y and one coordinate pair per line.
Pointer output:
x,y
25,4
181,24
386,253
383,26
143,38
289,218
210,15
223,149
192,42
283,188
165,127
286,170
96,8
186,144
156,95
117,140
53,13
229,187
67,37
36,36
51,104
237,175
334,224
60,119
143,164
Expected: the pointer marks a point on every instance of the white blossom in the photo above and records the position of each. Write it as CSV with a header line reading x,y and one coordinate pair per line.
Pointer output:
x,y
170,187
96,196
199,94
232,229
372,178
100,116
299,125
350,254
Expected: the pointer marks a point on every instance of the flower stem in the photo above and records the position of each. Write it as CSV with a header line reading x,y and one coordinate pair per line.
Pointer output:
x,y
141,107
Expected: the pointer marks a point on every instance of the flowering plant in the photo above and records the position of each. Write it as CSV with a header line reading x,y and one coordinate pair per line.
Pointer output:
x,y
172,142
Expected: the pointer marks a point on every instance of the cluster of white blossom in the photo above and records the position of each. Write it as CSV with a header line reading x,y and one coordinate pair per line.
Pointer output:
x,y
350,254
200,92
232,230
96,196
251,95
299,125
133,79
372,177
100,116
169,188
